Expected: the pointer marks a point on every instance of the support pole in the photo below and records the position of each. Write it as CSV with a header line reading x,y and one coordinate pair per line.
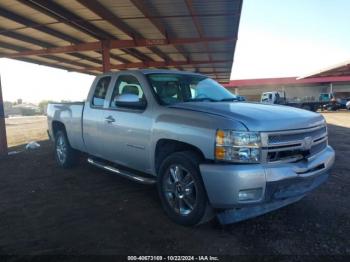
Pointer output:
x,y
3,139
106,57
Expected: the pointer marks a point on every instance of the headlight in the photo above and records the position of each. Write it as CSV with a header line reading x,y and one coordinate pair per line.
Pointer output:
x,y
243,147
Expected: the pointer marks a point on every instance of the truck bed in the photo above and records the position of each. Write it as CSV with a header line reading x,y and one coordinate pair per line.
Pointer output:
x,y
70,114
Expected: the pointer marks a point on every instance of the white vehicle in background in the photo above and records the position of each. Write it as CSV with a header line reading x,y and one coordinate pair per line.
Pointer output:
x,y
307,103
348,105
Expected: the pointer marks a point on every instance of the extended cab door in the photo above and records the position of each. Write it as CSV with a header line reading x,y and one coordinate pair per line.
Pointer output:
x,y
94,115
126,131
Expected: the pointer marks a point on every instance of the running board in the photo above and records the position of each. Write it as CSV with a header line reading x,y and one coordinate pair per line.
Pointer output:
x,y
123,173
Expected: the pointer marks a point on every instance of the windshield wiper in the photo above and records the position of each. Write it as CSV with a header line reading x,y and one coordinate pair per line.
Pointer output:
x,y
201,99
210,99
227,99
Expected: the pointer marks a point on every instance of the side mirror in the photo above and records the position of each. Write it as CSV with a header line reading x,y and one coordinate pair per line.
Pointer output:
x,y
130,101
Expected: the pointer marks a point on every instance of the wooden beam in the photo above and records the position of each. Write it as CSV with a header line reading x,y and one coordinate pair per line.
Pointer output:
x,y
3,138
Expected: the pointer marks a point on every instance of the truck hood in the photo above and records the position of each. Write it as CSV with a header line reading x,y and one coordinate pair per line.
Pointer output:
x,y
256,116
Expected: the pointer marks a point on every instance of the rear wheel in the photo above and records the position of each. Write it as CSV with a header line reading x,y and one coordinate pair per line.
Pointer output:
x,y
181,189
66,156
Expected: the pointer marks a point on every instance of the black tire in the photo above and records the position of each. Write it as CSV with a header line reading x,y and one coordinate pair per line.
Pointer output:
x,y
201,211
70,157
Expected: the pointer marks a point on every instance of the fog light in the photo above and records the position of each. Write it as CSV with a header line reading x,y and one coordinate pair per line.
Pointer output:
x,y
250,194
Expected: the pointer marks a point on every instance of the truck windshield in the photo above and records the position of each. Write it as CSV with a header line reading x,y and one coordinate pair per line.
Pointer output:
x,y
177,88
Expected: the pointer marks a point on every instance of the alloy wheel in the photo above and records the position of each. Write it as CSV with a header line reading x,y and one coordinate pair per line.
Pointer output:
x,y
180,189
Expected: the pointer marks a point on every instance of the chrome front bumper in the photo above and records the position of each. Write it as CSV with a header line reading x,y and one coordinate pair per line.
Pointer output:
x,y
280,184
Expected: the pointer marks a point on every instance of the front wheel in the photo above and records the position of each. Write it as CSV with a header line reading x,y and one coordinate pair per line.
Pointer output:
x,y
181,189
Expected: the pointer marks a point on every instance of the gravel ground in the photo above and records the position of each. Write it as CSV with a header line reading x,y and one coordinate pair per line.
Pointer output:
x,y
47,210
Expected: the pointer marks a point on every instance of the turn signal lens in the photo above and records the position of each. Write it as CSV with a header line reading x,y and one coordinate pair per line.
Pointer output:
x,y
220,135
220,153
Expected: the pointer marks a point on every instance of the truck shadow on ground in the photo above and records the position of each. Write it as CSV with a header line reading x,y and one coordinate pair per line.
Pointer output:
x,y
47,210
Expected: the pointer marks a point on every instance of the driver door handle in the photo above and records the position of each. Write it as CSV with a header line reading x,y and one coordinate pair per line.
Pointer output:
x,y
110,119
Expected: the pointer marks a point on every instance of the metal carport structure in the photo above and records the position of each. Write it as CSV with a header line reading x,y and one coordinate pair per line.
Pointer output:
x,y
339,70
98,36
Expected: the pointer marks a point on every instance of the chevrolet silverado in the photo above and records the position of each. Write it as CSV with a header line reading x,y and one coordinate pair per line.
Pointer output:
x,y
208,153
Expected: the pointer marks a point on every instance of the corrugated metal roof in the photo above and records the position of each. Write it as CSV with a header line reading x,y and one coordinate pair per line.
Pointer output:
x,y
192,35
341,69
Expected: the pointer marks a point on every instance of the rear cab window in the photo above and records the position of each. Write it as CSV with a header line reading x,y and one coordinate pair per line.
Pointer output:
x,y
100,92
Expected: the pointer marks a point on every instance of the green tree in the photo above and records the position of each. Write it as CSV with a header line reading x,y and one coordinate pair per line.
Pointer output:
x,y
43,106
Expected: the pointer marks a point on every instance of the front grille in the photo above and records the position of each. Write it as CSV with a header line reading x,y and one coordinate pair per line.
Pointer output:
x,y
294,155
318,148
290,146
280,138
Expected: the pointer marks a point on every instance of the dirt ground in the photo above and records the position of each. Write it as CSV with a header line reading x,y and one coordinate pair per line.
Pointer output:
x,y
22,130
340,118
47,210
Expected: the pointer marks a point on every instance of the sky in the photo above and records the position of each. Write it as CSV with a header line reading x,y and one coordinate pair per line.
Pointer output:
x,y
277,38
280,38
34,83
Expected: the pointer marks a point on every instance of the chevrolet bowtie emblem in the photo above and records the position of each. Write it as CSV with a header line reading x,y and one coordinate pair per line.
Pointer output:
x,y
307,143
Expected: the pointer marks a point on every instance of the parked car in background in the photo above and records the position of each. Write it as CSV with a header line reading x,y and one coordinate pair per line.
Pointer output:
x,y
343,102
207,152
336,104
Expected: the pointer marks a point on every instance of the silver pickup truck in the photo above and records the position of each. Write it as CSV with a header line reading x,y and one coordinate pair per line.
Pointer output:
x,y
208,153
